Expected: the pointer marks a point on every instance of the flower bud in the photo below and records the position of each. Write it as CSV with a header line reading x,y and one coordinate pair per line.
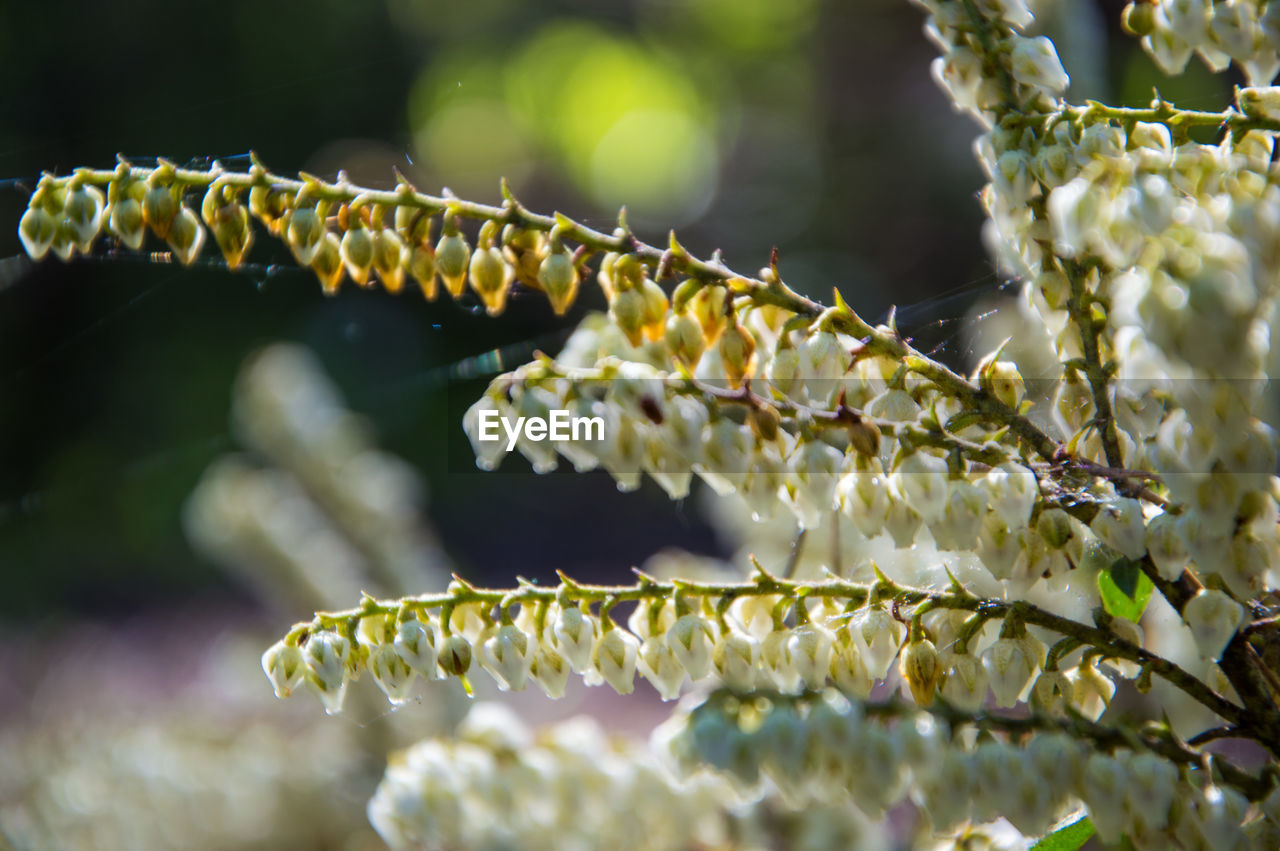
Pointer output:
x,y
707,306
1091,691
849,665
1034,62
775,657
549,671
415,641
305,234
412,223
186,236
159,207
692,640
1120,525
575,635
735,658
372,630
626,308
864,437
921,670
1053,693
1260,102
965,685
233,232
1003,381
422,266
809,650
524,250
37,230
390,256
327,264
269,207
392,674
783,371
1213,618
559,278
881,634
614,658
684,338
1009,669
453,254
1013,490
1054,526
491,278
604,277
655,310
921,480
284,666
737,349
764,421
507,656
1139,18
1166,546
327,655
660,666
357,253
455,655
83,210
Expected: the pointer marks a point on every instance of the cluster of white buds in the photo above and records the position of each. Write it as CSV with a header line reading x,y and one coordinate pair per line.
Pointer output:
x,y
1246,32
336,230
1167,250
67,216
823,747
498,785
1030,73
788,637
1149,262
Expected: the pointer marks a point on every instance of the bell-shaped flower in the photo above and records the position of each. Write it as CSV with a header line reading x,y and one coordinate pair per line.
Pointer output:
x,y
661,667
1010,668
692,640
1214,619
614,659
284,666
507,655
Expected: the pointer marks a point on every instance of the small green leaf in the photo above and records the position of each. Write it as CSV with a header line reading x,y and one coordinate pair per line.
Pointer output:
x,y
1069,837
1125,589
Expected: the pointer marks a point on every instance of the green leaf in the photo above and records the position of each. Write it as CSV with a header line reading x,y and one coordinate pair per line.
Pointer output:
x,y
1125,589
1069,837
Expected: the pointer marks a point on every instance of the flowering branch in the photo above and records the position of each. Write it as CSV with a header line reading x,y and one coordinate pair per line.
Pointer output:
x,y
285,666
1154,738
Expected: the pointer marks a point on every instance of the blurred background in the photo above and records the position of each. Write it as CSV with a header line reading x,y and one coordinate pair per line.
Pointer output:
x,y
808,125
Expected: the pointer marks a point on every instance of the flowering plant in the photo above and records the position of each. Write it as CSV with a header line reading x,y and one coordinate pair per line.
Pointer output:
x,y
1070,572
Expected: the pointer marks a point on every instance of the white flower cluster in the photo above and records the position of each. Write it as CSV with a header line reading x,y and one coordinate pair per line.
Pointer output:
x,y
1030,72
660,424
496,785
1246,32
752,641
824,748
1150,259
1178,244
